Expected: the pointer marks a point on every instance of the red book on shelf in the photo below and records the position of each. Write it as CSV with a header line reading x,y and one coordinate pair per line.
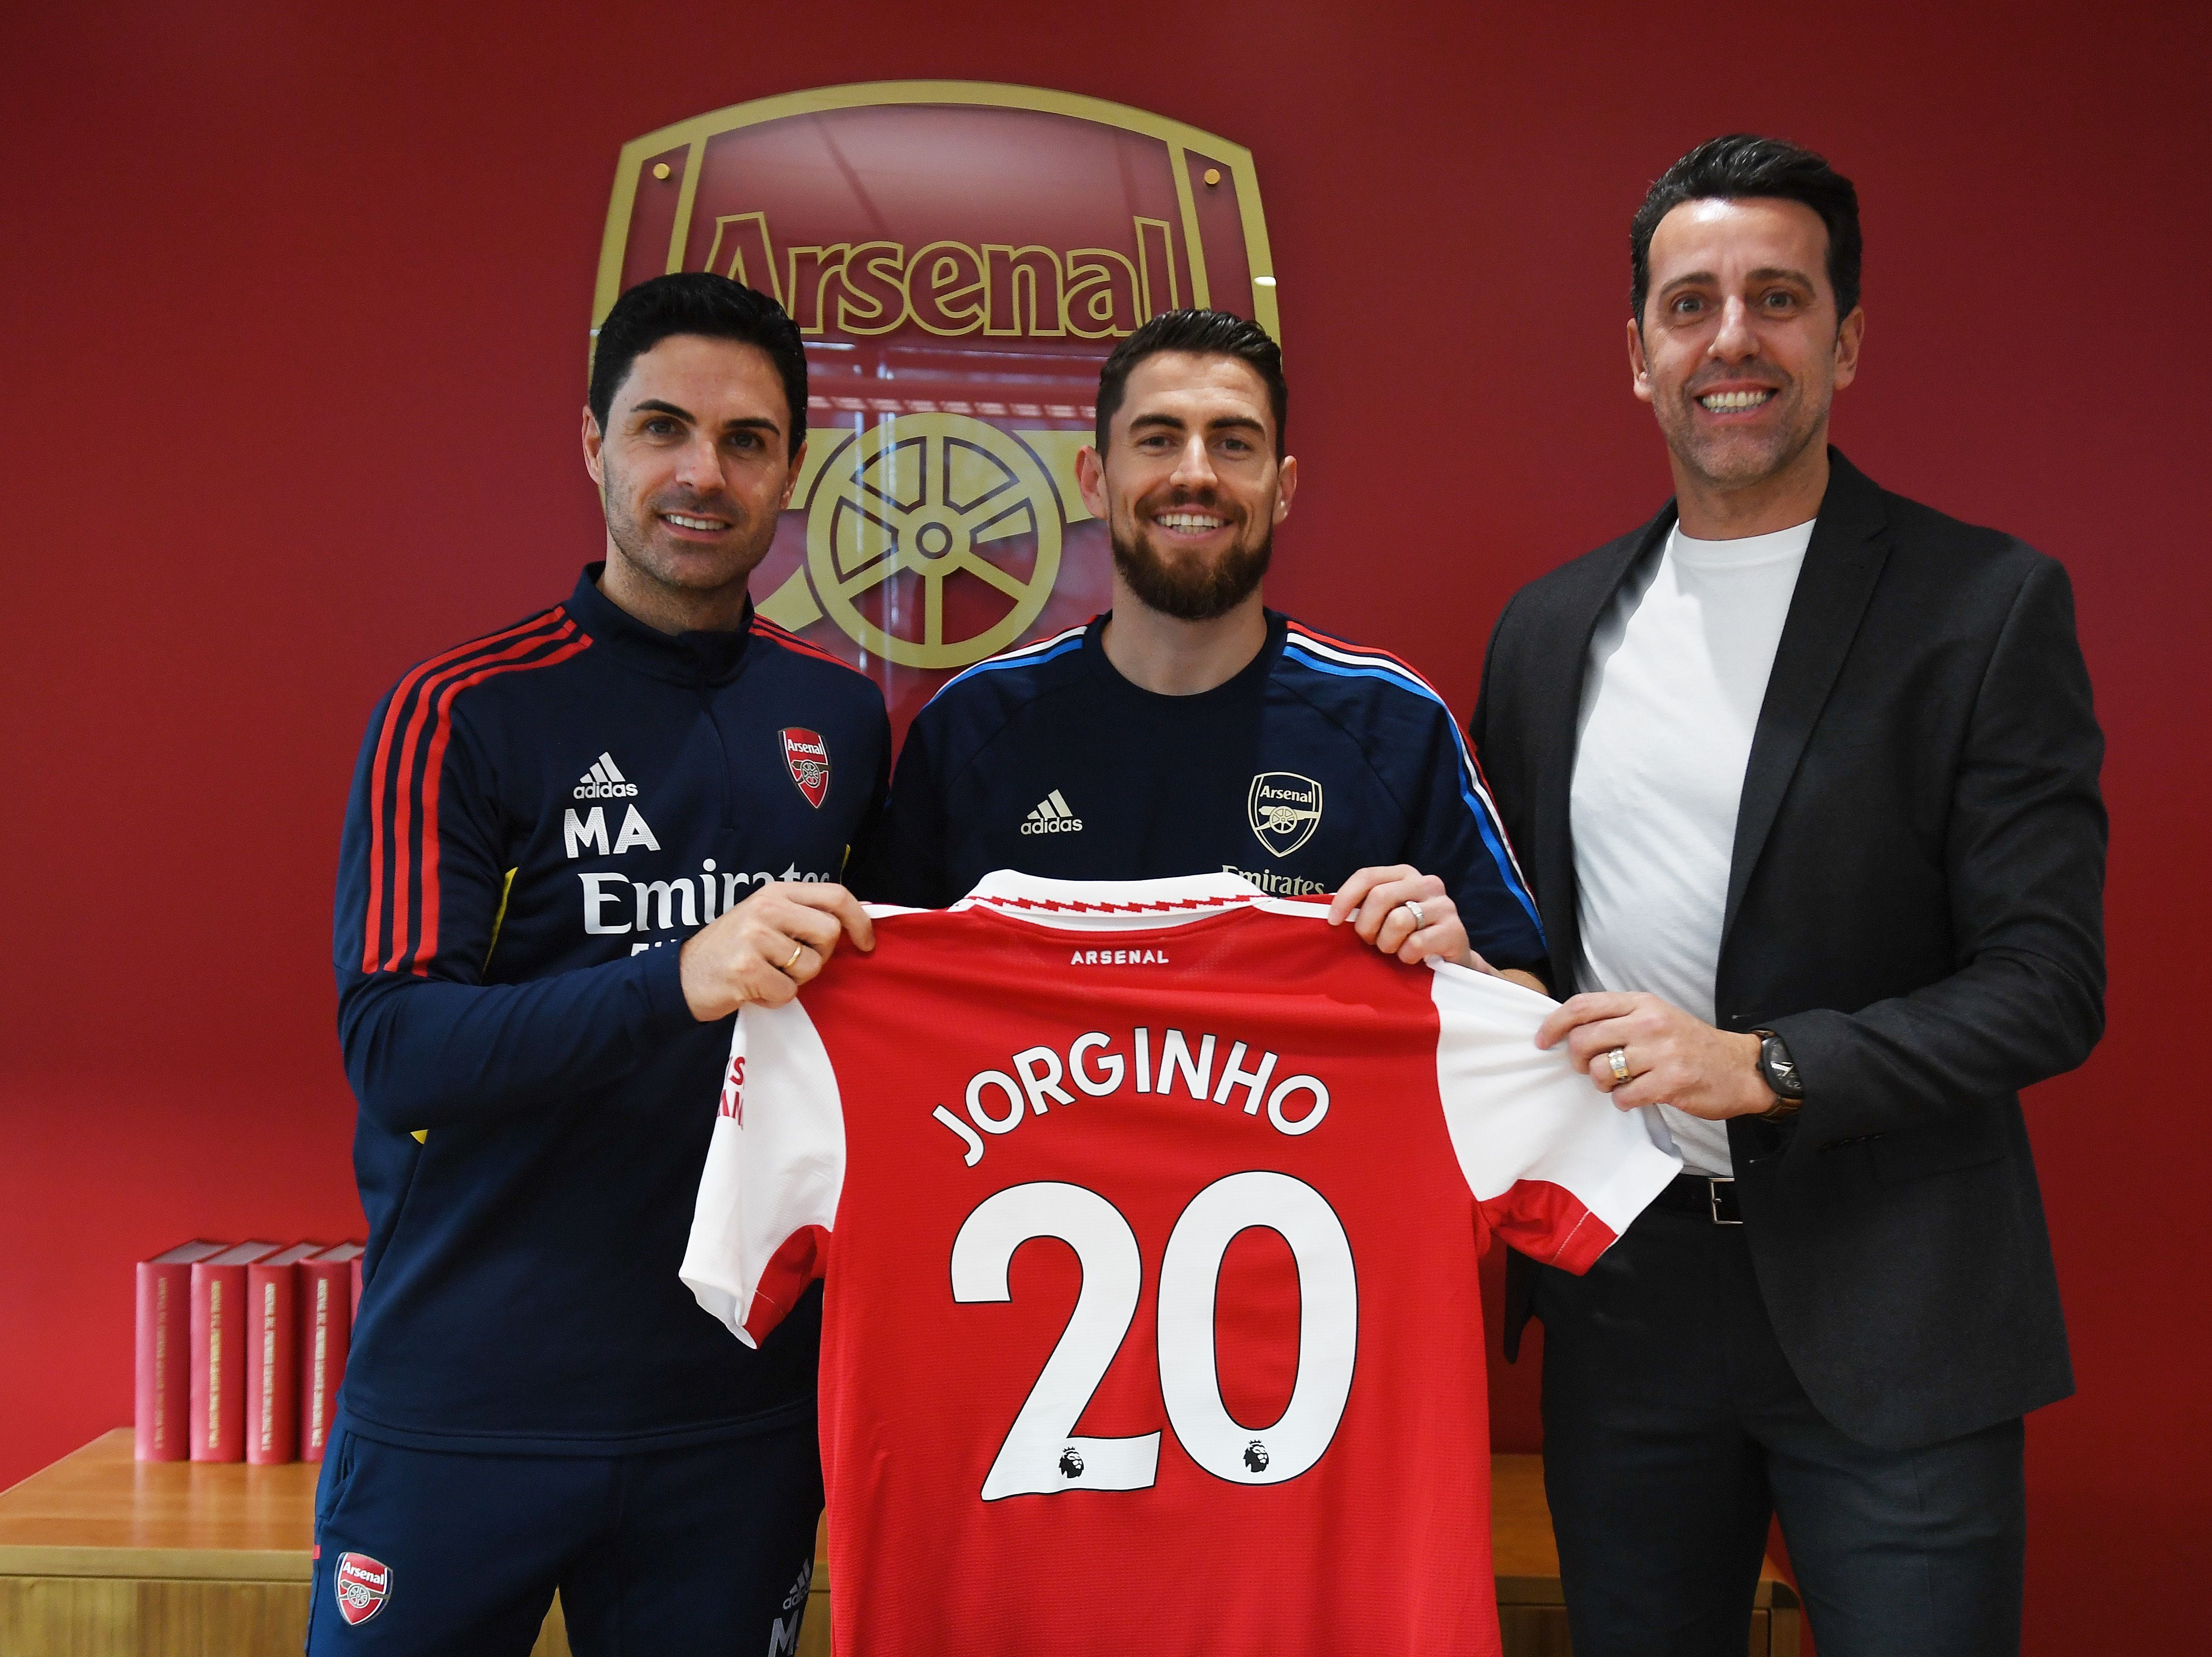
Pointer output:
x,y
165,1345
272,1357
219,1325
325,1321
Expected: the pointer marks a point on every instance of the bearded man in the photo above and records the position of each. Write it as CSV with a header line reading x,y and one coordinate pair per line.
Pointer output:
x,y
1190,730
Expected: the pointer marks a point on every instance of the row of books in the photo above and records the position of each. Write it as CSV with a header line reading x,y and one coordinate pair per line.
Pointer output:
x,y
241,1347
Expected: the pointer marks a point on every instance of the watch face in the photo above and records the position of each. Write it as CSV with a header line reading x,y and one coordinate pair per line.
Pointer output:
x,y
1781,1070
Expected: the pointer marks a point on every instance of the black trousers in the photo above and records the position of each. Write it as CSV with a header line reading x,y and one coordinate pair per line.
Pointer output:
x,y
1673,1429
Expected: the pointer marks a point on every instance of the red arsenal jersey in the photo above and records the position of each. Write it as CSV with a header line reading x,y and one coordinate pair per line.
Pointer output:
x,y
1150,1214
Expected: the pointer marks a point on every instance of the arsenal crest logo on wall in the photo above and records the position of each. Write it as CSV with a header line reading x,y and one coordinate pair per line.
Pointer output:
x,y
959,257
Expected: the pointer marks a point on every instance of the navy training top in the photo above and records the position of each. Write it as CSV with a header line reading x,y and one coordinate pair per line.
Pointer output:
x,y
1318,759
538,819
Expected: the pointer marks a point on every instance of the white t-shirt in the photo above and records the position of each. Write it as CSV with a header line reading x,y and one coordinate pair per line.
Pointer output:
x,y
1678,668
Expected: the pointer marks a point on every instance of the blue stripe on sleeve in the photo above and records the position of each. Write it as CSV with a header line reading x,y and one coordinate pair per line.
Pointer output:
x,y
1492,834
1032,659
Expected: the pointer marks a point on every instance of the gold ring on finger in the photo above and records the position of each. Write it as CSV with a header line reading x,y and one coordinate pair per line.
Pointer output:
x,y
1618,1060
797,950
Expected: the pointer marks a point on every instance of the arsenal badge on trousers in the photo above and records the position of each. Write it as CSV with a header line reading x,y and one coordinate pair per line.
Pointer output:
x,y
361,1586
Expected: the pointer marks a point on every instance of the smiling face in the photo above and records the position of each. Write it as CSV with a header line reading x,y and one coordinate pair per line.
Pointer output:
x,y
693,472
1740,353
1190,485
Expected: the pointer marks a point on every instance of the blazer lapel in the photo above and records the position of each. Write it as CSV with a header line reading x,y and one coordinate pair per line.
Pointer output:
x,y
1841,567
1574,622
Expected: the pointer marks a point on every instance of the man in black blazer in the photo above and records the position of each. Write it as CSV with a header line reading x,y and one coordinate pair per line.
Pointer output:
x,y
1805,777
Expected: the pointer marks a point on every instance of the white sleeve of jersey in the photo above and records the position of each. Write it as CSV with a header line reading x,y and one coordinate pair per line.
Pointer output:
x,y
776,1168
1559,1172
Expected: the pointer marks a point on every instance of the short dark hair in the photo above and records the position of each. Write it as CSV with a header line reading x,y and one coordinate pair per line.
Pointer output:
x,y
698,302
1204,333
1742,165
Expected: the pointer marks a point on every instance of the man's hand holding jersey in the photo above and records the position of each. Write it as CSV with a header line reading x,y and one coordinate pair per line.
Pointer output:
x,y
769,945
1668,1056
1405,912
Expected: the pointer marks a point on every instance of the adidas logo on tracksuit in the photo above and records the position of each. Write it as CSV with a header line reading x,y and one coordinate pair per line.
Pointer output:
x,y
1051,816
604,781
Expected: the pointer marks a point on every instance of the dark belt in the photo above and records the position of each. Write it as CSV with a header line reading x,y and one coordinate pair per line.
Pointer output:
x,y
1708,1199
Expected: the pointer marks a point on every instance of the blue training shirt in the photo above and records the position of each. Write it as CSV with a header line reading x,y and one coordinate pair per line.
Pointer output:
x,y
538,819
1318,759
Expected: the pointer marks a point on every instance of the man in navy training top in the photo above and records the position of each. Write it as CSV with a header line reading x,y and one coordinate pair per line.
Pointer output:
x,y
1191,731
574,847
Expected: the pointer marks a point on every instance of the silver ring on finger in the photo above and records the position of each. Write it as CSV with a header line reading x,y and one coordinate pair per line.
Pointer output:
x,y
1618,1058
1419,919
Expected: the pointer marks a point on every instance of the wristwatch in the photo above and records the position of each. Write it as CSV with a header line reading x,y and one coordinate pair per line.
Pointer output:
x,y
1780,1071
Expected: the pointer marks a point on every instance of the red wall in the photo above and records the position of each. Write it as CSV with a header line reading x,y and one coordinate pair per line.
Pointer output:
x,y
294,308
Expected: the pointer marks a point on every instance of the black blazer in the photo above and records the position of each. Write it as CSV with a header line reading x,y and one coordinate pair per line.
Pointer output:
x,y
1915,905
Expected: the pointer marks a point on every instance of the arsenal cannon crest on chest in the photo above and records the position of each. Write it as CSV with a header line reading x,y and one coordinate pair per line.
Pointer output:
x,y
808,757
1284,809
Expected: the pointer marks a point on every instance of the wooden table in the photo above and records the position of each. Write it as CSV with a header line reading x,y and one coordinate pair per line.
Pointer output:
x,y
101,1554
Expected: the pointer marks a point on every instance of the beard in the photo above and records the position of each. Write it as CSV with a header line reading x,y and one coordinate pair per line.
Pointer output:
x,y
1190,590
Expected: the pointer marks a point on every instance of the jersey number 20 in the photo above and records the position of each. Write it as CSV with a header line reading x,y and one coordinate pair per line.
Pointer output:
x,y
1041,1455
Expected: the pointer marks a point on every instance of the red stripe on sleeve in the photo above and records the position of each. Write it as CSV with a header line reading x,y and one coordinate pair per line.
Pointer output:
x,y
405,805
426,946
1398,662
398,716
792,641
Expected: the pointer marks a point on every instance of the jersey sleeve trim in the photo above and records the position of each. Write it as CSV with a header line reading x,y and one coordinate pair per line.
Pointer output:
x,y
1322,654
1557,1170
768,1198
400,928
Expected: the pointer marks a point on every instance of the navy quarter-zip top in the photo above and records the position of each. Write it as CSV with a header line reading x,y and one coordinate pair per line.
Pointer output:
x,y
538,819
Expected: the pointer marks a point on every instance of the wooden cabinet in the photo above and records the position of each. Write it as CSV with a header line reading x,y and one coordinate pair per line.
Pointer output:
x,y
104,1556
